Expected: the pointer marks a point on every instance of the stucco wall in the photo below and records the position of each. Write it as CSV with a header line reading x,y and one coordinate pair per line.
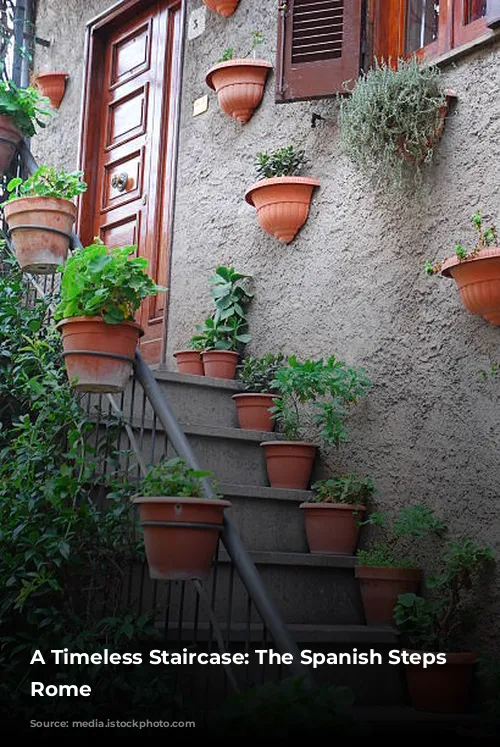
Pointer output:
x,y
352,282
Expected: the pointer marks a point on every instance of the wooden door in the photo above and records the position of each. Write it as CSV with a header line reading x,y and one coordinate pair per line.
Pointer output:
x,y
128,162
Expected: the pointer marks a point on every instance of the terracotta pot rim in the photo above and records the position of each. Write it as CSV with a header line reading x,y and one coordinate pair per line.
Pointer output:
x,y
183,352
254,394
278,442
236,62
60,201
226,352
451,262
339,506
379,571
307,181
49,74
163,499
454,658
92,319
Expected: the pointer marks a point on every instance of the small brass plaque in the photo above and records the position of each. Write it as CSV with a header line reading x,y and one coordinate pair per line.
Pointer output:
x,y
200,105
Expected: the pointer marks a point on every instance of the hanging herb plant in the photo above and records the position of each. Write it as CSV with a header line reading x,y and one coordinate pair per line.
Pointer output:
x,y
394,118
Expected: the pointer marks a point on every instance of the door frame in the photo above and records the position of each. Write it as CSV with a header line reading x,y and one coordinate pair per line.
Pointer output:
x,y
97,32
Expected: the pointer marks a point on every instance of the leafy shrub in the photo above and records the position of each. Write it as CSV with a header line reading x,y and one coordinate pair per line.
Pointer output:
x,y
257,374
173,477
486,237
48,182
97,281
26,107
345,489
282,162
391,122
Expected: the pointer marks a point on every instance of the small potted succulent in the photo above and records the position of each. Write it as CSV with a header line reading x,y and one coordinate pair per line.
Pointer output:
x,y
476,272
52,85
101,291
393,119
224,334
254,405
313,396
334,512
181,528
383,571
281,197
224,8
435,625
239,81
40,213
21,110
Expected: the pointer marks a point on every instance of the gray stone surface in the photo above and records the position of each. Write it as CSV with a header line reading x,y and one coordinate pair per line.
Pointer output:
x,y
352,282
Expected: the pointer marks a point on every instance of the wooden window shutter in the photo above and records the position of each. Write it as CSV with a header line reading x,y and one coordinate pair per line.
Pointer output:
x,y
493,13
319,47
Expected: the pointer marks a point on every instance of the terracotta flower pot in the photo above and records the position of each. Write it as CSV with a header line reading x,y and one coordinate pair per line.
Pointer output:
x,y
10,138
225,8
253,411
220,364
441,688
380,588
98,356
41,231
289,463
52,85
189,362
282,204
180,535
432,141
478,281
239,85
332,527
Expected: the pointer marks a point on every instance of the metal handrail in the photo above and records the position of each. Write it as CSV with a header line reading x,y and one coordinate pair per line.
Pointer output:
x,y
230,538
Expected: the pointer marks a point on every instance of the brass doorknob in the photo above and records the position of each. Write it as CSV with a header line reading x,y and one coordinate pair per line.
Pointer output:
x,y
119,181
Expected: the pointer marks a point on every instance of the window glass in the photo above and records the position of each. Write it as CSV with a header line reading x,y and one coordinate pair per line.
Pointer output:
x,y
422,23
474,9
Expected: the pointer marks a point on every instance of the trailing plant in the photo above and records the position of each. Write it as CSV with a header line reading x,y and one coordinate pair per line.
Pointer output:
x,y
316,395
486,237
345,489
173,477
97,281
257,374
229,53
26,107
392,120
48,182
285,161
417,522
435,623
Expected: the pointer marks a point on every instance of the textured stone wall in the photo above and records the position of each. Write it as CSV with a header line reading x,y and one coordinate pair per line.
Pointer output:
x,y
352,282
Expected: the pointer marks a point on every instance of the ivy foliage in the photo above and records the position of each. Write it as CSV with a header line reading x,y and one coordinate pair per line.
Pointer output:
x,y
26,107
48,182
391,122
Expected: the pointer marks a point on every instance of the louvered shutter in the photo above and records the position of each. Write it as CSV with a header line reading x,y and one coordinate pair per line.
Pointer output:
x,y
319,45
493,13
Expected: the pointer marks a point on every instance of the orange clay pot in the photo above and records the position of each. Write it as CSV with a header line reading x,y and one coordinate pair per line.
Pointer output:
x,y
176,548
220,364
253,411
224,8
380,588
189,362
52,85
10,138
239,85
41,231
332,528
441,688
282,204
478,281
99,356
289,463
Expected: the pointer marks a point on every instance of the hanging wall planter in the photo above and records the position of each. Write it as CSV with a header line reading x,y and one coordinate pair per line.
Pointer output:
x,y
239,85
189,362
225,8
52,85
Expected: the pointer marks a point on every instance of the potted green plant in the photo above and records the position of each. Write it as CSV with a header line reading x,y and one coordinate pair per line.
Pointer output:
x,y
21,109
181,528
239,81
313,397
383,570
40,213
334,512
225,333
254,405
101,291
435,624
224,8
281,197
393,119
476,272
